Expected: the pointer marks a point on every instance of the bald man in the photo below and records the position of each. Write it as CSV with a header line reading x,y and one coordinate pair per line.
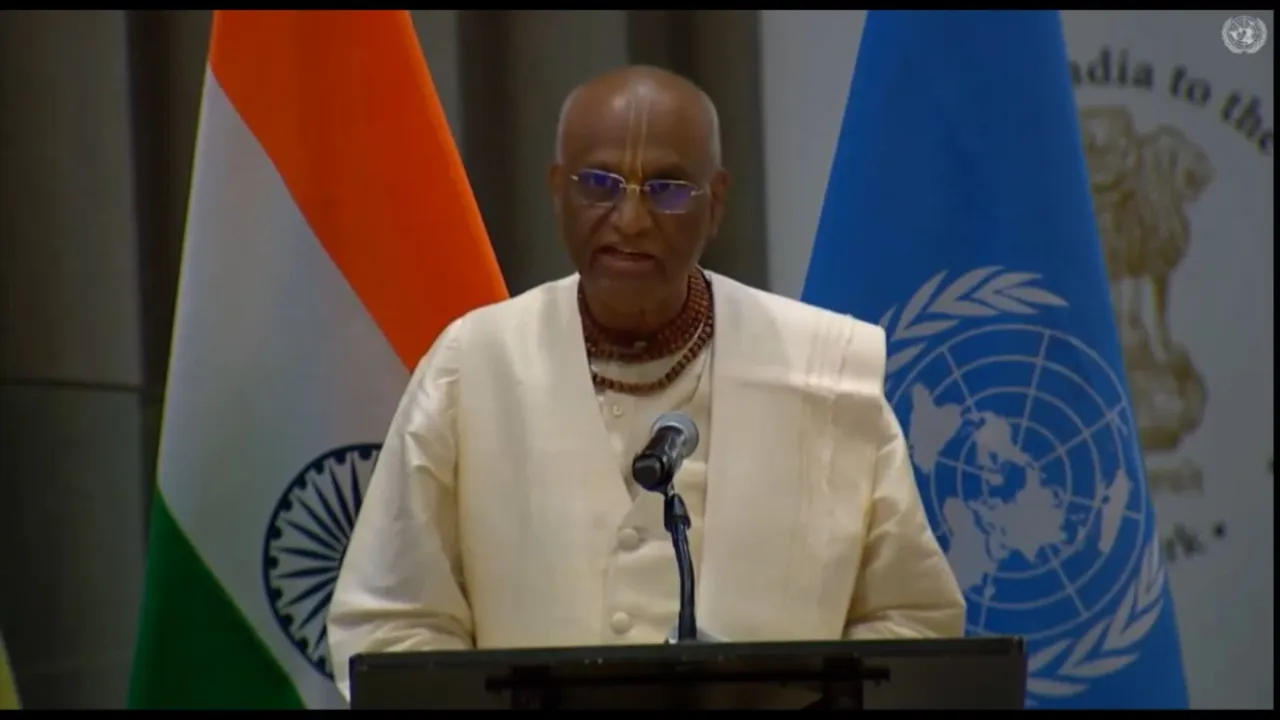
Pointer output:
x,y
502,512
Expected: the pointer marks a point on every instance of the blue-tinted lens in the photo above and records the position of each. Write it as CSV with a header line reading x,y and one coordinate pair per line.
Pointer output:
x,y
670,195
598,187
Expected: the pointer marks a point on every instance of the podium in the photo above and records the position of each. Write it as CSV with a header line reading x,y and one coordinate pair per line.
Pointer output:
x,y
961,674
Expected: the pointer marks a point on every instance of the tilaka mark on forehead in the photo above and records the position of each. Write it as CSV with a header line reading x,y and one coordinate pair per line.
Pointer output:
x,y
637,134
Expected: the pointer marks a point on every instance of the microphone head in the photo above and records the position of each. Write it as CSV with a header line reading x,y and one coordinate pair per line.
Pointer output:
x,y
682,422
653,470
646,470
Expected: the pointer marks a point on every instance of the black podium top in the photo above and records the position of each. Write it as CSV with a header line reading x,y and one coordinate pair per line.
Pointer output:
x,y
970,673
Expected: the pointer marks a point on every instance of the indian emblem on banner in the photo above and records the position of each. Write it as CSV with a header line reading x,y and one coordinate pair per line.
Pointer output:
x,y
1244,34
1029,474
306,540
1142,183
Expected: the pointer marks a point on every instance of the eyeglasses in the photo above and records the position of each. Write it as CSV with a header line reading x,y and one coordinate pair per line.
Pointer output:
x,y
596,187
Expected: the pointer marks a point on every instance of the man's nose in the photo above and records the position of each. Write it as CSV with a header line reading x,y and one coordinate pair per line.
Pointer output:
x,y
631,215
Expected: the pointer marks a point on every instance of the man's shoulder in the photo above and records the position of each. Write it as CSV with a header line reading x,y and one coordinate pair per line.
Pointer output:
x,y
798,318
490,327
794,315
825,354
518,309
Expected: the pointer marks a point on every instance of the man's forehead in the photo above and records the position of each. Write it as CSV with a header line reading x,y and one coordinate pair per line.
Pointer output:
x,y
636,123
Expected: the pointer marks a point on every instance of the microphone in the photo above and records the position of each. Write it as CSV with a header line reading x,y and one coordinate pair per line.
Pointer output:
x,y
674,437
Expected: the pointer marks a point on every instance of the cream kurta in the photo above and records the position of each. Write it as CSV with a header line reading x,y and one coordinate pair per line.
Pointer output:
x,y
501,513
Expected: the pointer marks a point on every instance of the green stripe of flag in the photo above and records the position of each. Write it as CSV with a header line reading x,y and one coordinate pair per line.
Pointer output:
x,y
196,650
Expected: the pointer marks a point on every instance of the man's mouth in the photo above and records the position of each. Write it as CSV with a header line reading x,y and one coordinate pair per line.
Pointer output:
x,y
621,254
623,259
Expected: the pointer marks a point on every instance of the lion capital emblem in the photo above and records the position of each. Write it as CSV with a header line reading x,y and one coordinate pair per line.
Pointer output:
x,y
1142,184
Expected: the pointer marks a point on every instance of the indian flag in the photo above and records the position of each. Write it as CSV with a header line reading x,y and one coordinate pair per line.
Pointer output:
x,y
8,687
331,235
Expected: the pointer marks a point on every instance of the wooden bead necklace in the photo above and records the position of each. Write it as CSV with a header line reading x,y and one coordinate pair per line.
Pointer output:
x,y
691,330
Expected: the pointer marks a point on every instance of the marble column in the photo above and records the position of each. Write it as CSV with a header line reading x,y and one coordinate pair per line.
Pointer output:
x,y
71,450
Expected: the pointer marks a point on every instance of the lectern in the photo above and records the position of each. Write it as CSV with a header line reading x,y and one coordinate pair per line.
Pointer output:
x,y
962,674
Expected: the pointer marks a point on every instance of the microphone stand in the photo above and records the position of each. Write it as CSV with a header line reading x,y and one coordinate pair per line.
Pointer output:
x,y
675,516
674,437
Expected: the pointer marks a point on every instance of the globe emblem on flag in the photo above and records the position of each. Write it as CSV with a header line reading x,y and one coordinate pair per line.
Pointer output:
x,y
1025,454
305,542
1027,475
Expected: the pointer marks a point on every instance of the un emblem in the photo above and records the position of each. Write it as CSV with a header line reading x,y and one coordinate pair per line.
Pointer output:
x,y
1244,34
305,541
1023,442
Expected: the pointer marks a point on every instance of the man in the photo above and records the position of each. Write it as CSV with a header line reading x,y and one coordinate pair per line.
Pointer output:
x,y
502,512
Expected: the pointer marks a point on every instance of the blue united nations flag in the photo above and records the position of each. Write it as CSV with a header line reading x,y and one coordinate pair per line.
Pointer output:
x,y
958,215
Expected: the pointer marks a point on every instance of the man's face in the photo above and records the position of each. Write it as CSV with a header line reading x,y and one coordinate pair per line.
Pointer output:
x,y
637,196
